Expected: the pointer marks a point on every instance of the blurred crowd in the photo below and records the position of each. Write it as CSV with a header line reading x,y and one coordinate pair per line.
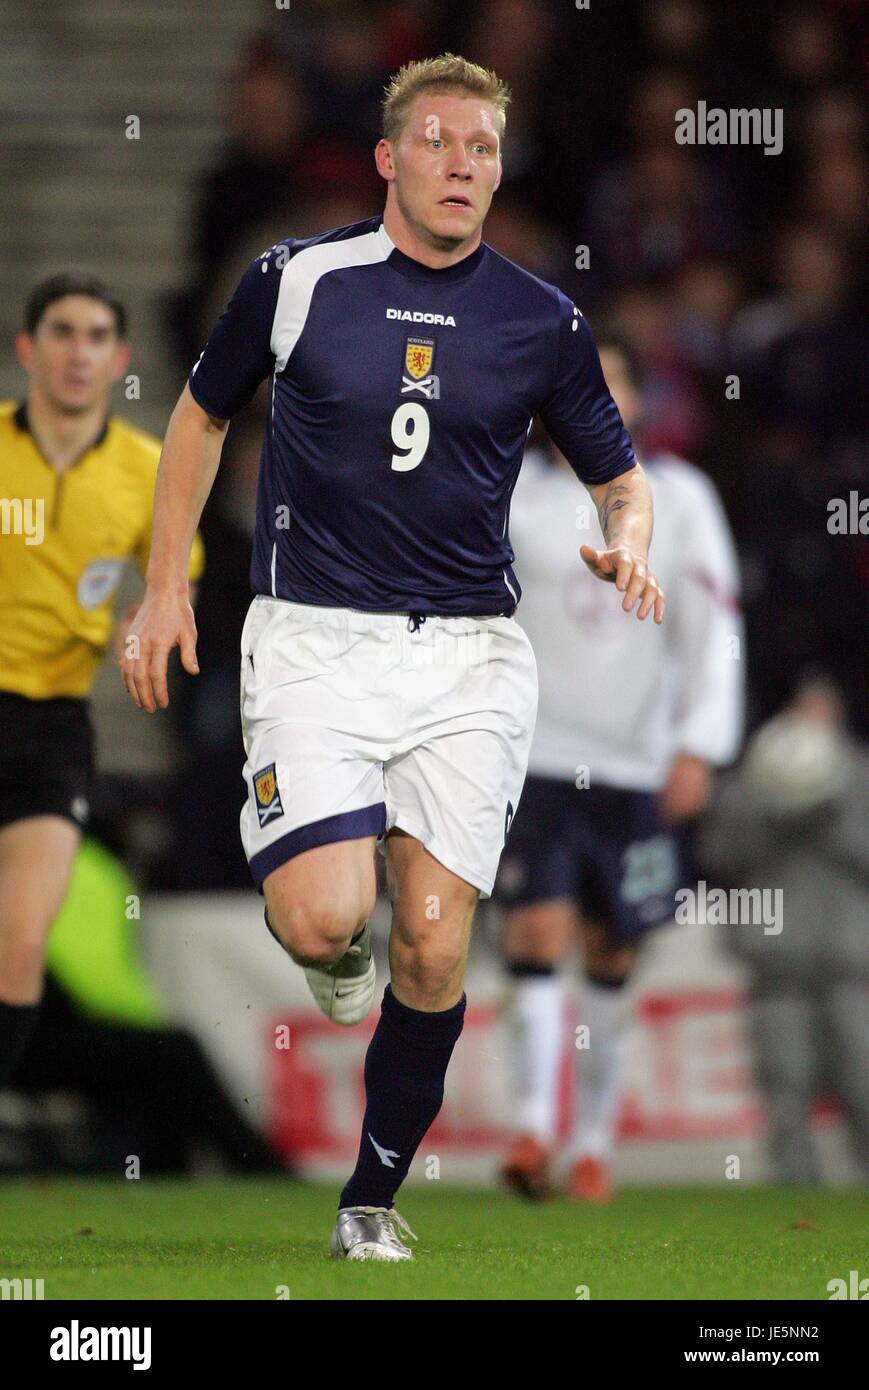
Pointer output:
x,y
735,274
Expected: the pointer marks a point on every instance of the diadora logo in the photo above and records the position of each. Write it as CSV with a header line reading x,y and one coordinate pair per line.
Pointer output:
x,y
385,1155
415,316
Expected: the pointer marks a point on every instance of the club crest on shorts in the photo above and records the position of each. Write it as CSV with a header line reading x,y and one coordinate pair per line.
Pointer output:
x,y
267,795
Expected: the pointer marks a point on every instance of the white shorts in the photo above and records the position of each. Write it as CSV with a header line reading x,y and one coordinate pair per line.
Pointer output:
x,y
354,724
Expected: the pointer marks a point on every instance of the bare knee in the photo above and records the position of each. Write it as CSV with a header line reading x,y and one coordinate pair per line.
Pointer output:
x,y
610,967
605,958
427,973
314,935
540,932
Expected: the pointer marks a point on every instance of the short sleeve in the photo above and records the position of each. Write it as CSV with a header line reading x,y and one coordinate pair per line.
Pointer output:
x,y
580,414
238,354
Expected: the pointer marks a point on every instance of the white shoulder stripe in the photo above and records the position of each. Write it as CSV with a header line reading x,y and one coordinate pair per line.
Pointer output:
x,y
299,280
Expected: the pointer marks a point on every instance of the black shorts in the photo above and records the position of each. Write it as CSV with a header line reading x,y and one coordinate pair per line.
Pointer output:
x,y
605,848
46,758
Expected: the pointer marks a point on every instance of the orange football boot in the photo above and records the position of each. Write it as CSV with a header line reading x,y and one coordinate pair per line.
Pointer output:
x,y
525,1170
589,1181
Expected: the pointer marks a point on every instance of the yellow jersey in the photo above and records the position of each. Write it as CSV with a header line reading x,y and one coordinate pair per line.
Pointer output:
x,y
65,540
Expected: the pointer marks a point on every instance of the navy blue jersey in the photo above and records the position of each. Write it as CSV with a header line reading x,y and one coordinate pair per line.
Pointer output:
x,y
400,402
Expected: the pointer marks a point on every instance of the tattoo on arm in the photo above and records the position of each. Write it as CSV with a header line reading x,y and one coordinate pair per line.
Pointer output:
x,y
614,499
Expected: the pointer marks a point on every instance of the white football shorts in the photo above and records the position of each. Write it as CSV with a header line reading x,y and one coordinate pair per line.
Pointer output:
x,y
354,723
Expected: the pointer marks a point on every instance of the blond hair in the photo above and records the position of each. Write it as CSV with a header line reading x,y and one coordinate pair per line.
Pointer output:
x,y
448,73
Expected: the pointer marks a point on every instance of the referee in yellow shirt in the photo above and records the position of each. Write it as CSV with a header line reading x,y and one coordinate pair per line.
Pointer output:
x,y
76,502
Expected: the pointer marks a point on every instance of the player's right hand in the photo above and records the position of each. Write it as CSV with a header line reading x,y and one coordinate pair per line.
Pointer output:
x,y
164,620
629,571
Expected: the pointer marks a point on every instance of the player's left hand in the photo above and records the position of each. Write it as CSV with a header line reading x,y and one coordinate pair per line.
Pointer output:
x,y
630,573
164,620
687,789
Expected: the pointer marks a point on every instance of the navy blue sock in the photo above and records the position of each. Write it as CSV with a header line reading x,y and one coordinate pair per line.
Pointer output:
x,y
527,969
405,1067
17,1026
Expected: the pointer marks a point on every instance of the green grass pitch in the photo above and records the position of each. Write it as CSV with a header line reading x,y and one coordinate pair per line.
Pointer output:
x,y
244,1238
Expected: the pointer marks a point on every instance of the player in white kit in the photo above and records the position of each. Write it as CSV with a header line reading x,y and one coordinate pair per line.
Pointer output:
x,y
629,728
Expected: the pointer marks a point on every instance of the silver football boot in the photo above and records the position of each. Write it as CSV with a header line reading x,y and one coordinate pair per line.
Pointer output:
x,y
345,991
370,1233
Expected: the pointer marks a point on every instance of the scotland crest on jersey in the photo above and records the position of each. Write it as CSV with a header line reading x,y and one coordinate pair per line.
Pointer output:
x,y
418,357
418,361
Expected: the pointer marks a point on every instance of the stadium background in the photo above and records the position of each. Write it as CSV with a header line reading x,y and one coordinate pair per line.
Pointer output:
x,y
257,122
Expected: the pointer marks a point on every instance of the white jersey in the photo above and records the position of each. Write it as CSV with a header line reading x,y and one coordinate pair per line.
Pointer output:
x,y
618,697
